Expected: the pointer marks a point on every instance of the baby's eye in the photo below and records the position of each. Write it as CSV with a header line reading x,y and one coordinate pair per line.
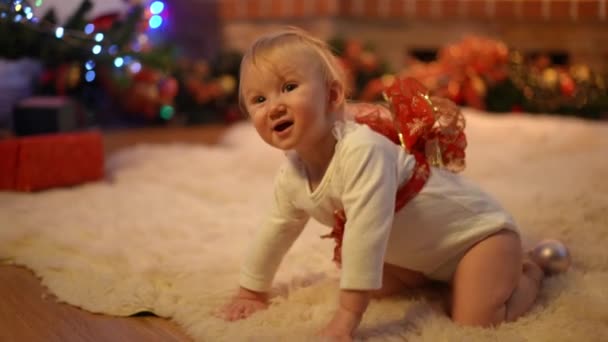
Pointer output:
x,y
290,86
258,99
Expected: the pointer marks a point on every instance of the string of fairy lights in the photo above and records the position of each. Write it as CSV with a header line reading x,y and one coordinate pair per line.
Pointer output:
x,y
89,37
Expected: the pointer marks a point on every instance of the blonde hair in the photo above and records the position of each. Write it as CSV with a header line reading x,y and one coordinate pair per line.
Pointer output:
x,y
290,41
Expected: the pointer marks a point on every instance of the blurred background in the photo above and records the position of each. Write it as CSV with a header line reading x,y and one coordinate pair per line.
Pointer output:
x,y
71,64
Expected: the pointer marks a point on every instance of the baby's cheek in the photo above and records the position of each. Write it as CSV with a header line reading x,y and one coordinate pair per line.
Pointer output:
x,y
256,115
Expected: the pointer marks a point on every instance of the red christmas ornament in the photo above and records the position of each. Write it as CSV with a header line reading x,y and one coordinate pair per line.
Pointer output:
x,y
105,22
517,108
168,89
566,85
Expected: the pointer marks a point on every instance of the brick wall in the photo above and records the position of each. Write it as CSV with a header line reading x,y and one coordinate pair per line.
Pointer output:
x,y
576,27
545,10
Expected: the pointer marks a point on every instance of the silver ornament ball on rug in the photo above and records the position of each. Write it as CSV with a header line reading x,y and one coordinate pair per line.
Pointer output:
x,y
552,256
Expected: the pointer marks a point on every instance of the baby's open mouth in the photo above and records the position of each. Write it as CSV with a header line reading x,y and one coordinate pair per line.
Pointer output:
x,y
283,126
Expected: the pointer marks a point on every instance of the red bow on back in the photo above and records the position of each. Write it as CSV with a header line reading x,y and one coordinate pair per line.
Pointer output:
x,y
432,126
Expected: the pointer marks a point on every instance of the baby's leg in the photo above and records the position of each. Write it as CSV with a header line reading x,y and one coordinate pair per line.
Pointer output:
x,y
492,284
396,280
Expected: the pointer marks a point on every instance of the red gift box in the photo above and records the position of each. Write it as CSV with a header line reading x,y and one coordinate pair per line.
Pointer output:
x,y
54,160
8,163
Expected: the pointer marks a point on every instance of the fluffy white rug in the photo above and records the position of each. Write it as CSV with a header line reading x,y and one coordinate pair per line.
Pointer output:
x,y
166,231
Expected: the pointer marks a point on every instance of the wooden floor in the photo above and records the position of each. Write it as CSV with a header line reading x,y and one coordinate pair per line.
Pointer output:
x,y
28,313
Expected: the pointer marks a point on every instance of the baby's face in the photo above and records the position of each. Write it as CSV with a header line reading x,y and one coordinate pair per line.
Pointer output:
x,y
287,101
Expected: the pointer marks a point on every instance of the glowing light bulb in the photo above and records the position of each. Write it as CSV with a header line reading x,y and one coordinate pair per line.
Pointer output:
x,y
156,7
90,76
135,67
155,21
89,65
59,32
89,28
96,49
118,62
167,112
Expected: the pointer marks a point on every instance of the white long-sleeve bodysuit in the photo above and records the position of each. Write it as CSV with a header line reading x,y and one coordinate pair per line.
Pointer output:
x,y
433,230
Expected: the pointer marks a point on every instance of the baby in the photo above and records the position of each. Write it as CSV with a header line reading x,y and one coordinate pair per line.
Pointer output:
x,y
399,222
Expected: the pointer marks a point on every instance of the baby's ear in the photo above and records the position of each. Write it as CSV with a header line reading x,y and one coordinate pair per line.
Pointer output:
x,y
336,95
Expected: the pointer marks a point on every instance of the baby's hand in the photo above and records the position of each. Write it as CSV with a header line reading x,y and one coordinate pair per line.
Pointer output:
x,y
341,327
347,317
245,303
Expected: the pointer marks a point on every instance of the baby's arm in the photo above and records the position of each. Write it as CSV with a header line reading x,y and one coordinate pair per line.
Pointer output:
x,y
352,305
281,228
370,182
243,304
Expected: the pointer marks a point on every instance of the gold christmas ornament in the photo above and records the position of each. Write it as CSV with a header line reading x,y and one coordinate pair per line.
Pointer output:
x,y
550,78
227,83
552,256
581,72
73,76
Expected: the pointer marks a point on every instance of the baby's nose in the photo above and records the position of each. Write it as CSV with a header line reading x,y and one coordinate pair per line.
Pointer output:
x,y
277,110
